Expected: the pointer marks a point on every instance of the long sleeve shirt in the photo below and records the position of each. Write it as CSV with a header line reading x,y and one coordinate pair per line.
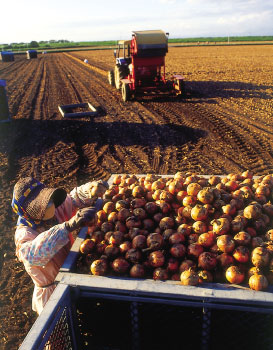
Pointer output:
x,y
43,251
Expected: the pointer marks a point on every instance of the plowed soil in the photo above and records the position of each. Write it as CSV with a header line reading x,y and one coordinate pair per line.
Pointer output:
x,y
224,124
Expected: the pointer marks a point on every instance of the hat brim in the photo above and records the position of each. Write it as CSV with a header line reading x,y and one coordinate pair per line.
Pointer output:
x,y
37,202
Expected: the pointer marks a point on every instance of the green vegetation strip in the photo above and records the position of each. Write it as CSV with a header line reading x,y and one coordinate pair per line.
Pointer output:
x,y
65,45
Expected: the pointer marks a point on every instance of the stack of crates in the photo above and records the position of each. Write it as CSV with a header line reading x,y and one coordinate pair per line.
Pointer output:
x,y
112,313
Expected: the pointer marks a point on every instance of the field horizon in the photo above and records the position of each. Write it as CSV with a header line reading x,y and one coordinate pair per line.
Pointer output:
x,y
66,44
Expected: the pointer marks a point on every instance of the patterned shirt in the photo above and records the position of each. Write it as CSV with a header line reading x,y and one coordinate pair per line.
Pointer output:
x,y
43,251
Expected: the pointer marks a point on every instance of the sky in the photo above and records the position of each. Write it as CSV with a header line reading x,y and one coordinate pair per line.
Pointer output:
x,y
98,20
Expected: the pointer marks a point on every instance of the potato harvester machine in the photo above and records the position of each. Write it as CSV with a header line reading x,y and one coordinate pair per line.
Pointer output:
x,y
140,66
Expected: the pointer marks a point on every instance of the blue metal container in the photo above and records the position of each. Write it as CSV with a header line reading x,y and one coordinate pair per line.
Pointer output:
x,y
32,54
7,56
92,312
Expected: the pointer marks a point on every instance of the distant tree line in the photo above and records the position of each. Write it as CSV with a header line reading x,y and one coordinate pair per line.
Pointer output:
x,y
34,44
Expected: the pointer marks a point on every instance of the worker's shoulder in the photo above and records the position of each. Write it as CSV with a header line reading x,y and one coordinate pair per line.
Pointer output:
x,y
24,233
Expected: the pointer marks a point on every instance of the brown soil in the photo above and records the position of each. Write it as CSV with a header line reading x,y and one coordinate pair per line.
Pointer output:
x,y
223,125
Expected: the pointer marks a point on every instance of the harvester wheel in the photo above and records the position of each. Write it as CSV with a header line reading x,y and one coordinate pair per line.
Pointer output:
x,y
125,92
119,74
111,78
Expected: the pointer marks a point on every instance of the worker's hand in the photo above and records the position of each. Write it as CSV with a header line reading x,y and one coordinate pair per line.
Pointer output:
x,y
91,191
83,217
98,188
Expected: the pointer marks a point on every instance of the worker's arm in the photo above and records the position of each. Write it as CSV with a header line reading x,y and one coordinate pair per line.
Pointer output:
x,y
86,195
40,250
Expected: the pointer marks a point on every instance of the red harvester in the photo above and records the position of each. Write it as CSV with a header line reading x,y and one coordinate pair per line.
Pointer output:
x,y
140,66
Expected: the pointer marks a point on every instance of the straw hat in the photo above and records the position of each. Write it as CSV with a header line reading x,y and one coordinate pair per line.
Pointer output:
x,y
33,196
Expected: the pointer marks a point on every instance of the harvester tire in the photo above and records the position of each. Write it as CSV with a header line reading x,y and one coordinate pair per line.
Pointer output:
x,y
125,92
111,78
119,74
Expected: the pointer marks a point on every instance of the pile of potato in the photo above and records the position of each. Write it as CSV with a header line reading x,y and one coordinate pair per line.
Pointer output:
x,y
186,227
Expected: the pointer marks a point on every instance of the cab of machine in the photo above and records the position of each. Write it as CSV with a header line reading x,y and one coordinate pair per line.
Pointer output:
x,y
123,52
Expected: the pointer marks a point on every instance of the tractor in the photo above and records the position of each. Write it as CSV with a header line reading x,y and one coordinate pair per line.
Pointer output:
x,y
140,66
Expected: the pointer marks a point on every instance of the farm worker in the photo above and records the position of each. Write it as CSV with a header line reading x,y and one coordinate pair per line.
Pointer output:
x,y
43,237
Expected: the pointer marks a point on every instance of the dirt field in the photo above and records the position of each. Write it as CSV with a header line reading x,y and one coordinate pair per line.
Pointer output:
x,y
223,125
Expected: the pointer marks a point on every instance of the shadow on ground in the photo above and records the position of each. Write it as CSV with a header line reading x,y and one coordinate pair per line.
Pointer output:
x,y
225,89
33,138
208,91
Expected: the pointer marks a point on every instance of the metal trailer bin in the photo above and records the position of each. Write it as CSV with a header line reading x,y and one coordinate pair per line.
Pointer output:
x,y
90,312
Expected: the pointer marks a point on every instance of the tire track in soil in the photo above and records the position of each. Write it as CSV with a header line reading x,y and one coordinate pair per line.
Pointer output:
x,y
7,69
156,163
175,117
18,83
192,156
243,138
115,103
234,137
87,160
87,153
43,166
40,106
31,90
30,161
262,122
162,165
256,128
59,88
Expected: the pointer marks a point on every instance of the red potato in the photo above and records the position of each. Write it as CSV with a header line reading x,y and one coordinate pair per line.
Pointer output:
x,y
234,274
156,259
137,271
219,229
120,265
99,267
189,278
87,246
160,274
